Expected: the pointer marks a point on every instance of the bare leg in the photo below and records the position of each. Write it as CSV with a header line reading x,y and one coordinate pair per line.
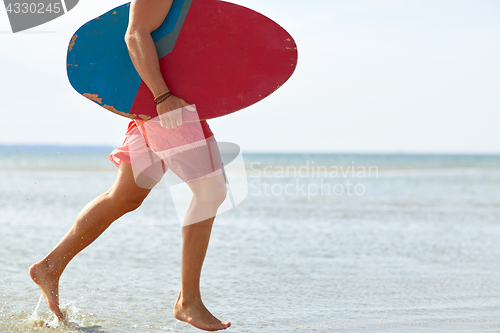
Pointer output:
x,y
208,194
124,196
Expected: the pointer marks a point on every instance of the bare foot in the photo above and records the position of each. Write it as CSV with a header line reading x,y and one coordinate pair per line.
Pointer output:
x,y
48,281
196,314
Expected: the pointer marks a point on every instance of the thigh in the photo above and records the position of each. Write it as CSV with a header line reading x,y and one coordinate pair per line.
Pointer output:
x,y
209,188
126,187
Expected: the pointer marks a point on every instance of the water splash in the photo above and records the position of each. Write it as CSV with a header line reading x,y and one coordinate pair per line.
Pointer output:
x,y
73,319
34,320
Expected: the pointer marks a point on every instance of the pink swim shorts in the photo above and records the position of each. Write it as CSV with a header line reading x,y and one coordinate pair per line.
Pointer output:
x,y
153,150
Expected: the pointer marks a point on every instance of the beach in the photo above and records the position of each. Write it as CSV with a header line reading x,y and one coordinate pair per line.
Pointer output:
x,y
322,243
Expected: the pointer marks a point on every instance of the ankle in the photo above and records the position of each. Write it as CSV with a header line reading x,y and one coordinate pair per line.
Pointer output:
x,y
185,300
52,266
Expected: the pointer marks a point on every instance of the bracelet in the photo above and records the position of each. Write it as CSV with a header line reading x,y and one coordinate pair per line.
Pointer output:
x,y
163,94
166,97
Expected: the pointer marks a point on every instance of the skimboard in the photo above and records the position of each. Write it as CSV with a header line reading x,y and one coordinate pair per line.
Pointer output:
x,y
220,56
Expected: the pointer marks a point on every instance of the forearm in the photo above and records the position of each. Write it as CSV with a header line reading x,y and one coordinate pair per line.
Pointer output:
x,y
143,54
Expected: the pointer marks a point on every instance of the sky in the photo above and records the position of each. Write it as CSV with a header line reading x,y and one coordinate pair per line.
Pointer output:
x,y
379,76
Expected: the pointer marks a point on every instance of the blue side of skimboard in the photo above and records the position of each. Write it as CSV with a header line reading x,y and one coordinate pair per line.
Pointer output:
x,y
98,63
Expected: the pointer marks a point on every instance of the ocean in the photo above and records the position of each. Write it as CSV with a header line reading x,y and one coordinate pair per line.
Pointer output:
x,y
321,243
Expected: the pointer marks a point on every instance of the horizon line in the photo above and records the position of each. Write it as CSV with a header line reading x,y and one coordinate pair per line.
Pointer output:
x,y
296,152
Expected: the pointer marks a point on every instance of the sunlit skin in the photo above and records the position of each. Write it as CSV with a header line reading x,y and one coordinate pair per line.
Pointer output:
x,y
125,195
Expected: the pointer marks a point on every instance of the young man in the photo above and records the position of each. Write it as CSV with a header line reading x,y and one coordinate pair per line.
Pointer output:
x,y
209,189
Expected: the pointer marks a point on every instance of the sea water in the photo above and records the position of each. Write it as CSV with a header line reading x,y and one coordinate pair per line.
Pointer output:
x,y
322,243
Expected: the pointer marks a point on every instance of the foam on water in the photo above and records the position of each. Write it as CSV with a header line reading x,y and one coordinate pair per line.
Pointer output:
x,y
73,320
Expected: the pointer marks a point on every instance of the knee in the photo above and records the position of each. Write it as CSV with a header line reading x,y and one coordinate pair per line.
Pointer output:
x,y
126,202
220,194
213,197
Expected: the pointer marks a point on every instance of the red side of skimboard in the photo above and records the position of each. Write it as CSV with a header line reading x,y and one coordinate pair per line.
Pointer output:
x,y
226,58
